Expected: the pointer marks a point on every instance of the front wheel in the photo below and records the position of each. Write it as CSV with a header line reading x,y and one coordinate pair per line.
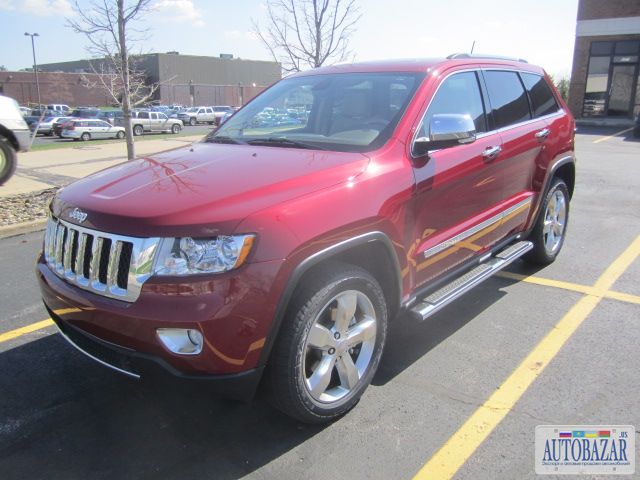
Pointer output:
x,y
8,161
175,129
192,121
120,135
330,344
86,136
551,225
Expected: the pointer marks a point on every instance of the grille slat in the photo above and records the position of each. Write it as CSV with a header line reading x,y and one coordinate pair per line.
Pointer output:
x,y
114,264
97,261
68,248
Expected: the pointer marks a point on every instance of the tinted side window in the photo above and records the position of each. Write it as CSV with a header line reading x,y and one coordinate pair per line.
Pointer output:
x,y
143,115
508,98
542,100
460,94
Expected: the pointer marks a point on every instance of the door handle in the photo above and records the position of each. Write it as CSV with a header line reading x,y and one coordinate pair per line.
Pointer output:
x,y
543,134
490,153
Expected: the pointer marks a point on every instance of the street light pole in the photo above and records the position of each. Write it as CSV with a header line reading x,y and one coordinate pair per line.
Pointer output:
x,y
35,65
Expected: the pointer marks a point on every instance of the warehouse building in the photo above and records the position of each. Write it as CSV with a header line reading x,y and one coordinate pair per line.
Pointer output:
x,y
191,79
606,68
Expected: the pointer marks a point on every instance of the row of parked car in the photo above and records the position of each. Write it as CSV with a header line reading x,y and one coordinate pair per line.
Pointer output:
x,y
85,123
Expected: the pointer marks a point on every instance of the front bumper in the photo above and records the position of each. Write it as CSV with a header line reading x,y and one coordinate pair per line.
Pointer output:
x,y
233,311
23,137
241,386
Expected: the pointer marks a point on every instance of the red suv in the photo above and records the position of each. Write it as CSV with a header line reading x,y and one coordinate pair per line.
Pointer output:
x,y
278,250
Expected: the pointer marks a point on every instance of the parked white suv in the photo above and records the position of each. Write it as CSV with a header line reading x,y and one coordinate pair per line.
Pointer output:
x,y
14,136
58,107
154,122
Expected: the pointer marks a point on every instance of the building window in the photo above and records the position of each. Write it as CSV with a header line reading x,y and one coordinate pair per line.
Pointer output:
x,y
612,79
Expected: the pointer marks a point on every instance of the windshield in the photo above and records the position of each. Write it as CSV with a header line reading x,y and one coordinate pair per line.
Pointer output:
x,y
352,112
193,109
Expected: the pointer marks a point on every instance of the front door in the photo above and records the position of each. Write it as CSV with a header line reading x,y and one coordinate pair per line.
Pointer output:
x,y
458,189
621,90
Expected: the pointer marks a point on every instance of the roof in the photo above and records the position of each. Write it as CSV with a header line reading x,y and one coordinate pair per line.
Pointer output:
x,y
421,65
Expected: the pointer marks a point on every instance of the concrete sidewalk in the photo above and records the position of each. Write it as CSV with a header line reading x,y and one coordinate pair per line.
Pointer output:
x,y
58,167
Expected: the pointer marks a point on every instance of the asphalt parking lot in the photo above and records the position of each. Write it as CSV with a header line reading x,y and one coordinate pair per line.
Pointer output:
x,y
458,396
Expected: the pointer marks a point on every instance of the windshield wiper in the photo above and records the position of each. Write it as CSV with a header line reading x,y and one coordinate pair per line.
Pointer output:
x,y
223,139
283,142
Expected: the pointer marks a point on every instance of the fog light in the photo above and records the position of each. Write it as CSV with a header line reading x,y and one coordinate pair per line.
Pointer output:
x,y
182,341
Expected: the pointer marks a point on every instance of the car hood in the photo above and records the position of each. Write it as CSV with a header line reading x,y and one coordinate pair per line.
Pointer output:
x,y
204,189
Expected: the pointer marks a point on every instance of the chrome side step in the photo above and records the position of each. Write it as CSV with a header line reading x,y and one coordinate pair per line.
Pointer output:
x,y
445,295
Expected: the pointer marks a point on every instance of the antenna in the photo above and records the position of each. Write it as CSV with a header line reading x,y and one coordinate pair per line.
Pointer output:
x,y
472,46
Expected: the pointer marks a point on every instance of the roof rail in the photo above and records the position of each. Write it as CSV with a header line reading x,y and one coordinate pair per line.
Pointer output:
x,y
478,55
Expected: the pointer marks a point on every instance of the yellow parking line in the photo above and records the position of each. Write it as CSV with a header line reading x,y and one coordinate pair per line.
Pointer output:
x,y
463,443
18,332
604,139
575,287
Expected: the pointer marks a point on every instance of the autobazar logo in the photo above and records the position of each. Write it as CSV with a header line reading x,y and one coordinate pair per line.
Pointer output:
x,y
576,449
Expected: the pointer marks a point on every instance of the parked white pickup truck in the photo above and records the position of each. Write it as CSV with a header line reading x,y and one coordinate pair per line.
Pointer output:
x,y
194,115
154,122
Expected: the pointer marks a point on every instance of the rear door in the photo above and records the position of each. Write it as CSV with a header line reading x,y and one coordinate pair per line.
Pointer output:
x,y
458,189
522,144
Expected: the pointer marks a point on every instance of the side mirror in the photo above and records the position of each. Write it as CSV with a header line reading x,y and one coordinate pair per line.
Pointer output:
x,y
446,130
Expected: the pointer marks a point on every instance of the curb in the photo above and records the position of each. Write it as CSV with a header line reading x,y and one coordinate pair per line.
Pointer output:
x,y
22,228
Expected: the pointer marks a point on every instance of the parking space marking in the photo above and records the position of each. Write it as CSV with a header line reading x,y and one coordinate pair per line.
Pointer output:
x,y
18,332
604,139
463,443
574,287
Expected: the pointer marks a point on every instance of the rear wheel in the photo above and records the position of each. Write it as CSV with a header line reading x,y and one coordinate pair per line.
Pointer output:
x,y
138,130
551,226
8,161
86,136
330,344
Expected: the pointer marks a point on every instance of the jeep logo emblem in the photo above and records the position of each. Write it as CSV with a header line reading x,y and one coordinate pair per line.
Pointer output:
x,y
78,215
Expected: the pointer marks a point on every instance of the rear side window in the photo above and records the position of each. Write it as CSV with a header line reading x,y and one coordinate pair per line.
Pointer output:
x,y
508,98
460,93
542,100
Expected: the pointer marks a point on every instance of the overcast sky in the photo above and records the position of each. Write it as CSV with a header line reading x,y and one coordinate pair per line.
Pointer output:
x,y
541,31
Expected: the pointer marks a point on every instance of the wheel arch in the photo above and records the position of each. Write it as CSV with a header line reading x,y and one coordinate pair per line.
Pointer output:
x,y
11,138
371,251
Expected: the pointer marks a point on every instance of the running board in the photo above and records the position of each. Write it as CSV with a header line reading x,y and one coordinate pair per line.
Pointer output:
x,y
445,295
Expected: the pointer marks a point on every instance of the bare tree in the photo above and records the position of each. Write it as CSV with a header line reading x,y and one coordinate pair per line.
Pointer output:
x,y
109,26
303,34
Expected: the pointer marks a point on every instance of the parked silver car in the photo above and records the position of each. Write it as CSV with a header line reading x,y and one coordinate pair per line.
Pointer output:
x,y
45,127
82,129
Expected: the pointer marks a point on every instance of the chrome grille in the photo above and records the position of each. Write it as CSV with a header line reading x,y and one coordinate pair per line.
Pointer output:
x,y
111,265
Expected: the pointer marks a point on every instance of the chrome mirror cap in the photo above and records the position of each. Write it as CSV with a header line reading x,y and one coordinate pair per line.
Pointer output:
x,y
445,130
452,127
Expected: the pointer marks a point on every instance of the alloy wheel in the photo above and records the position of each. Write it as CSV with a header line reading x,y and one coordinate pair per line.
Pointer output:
x,y
555,220
339,346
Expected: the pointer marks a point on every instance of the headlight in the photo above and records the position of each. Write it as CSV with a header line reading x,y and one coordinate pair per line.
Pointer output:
x,y
189,256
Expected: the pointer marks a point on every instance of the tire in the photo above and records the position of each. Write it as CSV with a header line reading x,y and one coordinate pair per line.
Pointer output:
x,y
8,161
554,212
308,376
175,128
192,121
138,130
86,136
120,135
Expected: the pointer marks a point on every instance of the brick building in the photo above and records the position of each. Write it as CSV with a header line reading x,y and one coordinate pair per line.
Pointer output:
x,y
69,88
606,67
